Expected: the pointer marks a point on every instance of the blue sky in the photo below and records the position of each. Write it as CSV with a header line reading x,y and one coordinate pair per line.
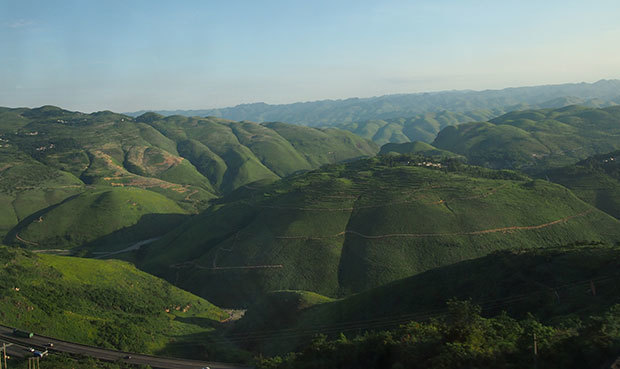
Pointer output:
x,y
129,55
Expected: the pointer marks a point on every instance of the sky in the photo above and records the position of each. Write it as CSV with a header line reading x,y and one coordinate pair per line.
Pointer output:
x,y
125,55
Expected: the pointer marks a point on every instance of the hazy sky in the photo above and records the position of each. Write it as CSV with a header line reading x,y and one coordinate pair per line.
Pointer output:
x,y
129,55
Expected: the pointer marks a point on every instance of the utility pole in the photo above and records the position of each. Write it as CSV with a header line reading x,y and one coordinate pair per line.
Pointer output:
x,y
535,351
4,354
33,363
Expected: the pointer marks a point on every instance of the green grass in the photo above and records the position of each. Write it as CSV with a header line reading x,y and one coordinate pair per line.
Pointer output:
x,y
347,228
105,303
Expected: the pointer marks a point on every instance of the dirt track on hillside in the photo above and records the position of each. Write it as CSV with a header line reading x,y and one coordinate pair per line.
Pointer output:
x,y
424,235
24,241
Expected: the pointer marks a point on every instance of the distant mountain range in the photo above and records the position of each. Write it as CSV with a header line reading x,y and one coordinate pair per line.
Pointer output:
x,y
490,103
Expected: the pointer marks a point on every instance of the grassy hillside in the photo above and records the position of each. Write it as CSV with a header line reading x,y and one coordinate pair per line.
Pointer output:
x,y
28,186
534,140
105,303
124,215
232,154
595,180
173,165
347,228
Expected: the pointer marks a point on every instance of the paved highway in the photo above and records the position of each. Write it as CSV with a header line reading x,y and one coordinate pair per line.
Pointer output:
x,y
39,342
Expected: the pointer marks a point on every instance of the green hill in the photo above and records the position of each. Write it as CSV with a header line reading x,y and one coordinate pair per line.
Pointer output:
x,y
346,228
175,165
201,156
547,282
595,180
420,127
233,154
559,286
28,186
124,215
105,303
535,140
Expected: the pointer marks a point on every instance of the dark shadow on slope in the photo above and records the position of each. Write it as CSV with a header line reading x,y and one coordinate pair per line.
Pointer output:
x,y
556,285
577,280
208,346
149,226
10,238
607,201
229,288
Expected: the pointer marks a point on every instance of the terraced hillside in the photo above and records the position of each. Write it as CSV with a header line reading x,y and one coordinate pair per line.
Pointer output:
x,y
104,303
176,165
535,140
595,180
347,228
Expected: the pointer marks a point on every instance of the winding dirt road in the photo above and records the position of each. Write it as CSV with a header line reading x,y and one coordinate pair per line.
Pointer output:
x,y
423,235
